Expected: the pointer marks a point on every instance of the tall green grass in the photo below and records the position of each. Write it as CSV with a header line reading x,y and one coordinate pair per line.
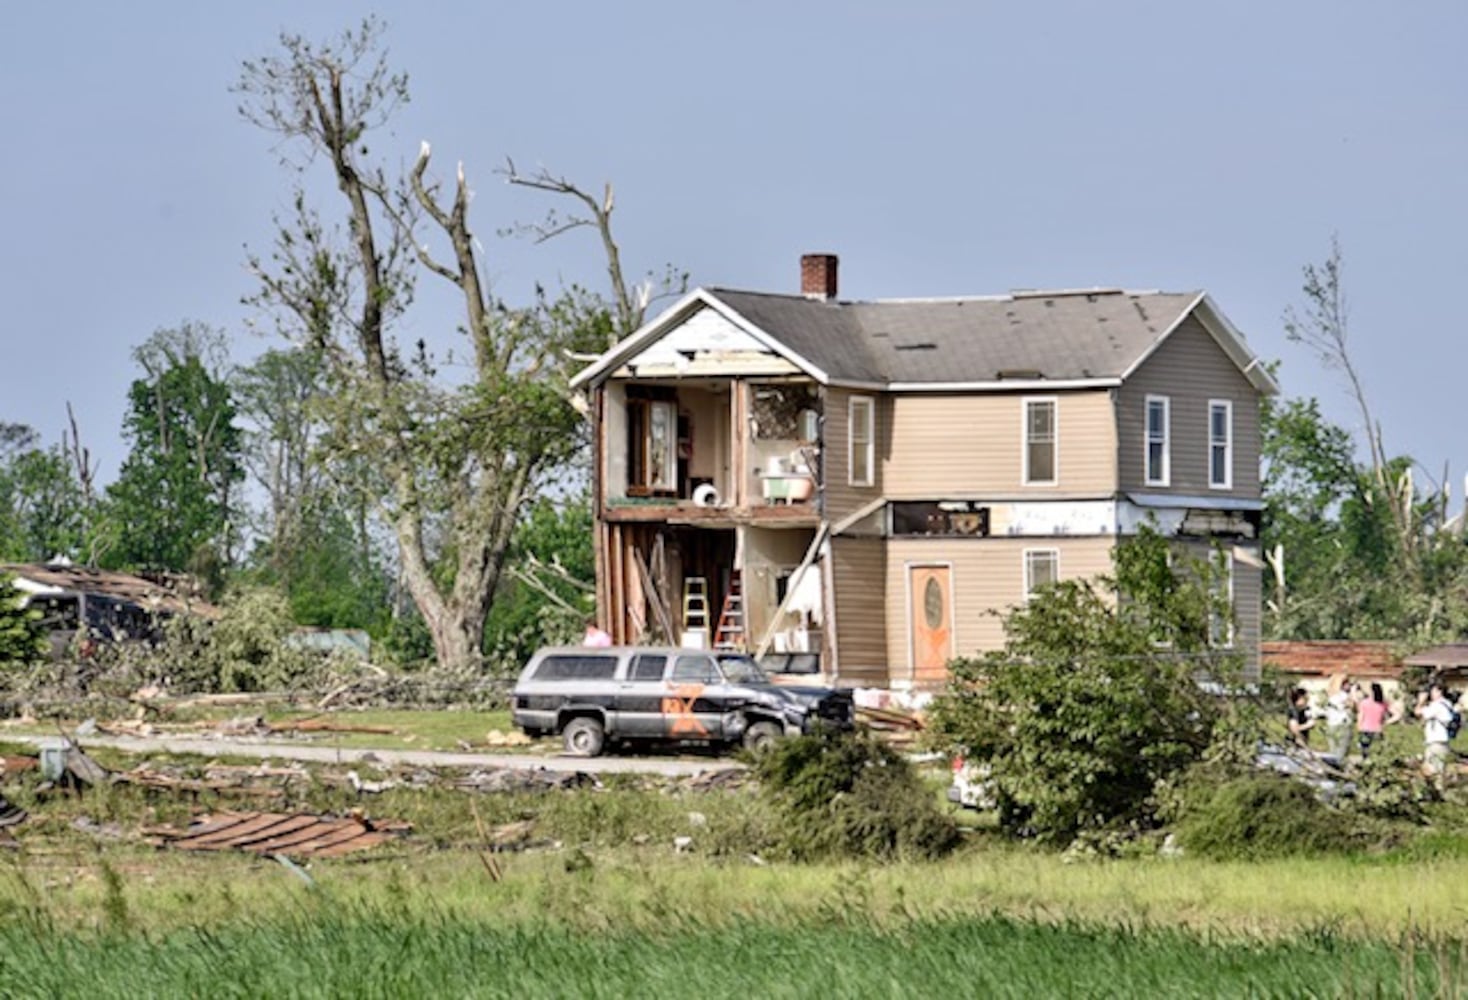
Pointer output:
x,y
333,950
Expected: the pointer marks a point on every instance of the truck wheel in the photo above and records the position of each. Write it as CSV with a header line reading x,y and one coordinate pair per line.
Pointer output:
x,y
584,737
761,736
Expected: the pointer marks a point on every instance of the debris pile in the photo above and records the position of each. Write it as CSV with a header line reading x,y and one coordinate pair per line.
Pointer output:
x,y
296,835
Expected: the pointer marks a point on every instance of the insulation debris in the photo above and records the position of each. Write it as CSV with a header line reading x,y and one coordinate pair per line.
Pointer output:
x,y
296,835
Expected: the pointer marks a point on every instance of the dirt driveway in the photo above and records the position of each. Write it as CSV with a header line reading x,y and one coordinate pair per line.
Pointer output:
x,y
672,767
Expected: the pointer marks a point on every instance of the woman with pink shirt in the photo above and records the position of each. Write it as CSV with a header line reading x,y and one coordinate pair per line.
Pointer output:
x,y
1371,718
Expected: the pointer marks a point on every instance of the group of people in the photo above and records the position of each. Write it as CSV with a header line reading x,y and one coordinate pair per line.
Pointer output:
x,y
1349,707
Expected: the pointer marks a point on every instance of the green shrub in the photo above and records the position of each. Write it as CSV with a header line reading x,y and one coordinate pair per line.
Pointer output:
x,y
845,794
1261,816
1094,701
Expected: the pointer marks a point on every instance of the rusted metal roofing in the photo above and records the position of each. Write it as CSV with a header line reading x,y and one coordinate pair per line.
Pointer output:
x,y
166,594
296,835
1322,658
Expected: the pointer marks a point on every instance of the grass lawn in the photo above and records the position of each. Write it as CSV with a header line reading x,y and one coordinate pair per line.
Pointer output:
x,y
412,729
649,922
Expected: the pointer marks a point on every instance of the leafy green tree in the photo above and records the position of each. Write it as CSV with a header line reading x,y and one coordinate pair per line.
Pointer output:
x,y
21,640
43,508
1355,548
1095,698
548,593
450,465
174,503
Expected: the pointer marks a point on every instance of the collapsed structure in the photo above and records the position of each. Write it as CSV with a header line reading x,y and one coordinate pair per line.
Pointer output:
x,y
851,488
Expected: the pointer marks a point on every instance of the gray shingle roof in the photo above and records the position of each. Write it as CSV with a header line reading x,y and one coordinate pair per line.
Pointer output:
x,y
1062,335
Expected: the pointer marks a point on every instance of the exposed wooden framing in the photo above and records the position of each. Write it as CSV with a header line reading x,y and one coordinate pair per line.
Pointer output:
x,y
739,431
810,555
654,598
604,605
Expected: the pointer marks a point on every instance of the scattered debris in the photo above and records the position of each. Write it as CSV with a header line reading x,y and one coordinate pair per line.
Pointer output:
x,y
10,813
496,738
525,780
318,725
11,766
368,787
105,831
297,835
706,781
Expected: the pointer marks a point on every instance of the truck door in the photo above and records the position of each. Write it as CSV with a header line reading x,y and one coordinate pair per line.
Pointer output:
x,y
694,705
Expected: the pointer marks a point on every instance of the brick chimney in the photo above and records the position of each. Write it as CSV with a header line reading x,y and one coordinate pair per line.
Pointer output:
x,y
818,276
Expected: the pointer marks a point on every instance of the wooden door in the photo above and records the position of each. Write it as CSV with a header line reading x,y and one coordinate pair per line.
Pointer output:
x,y
930,614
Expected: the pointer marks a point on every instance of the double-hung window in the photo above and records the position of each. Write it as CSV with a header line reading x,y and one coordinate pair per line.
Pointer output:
x,y
1159,444
1040,461
861,416
652,439
1042,566
1220,444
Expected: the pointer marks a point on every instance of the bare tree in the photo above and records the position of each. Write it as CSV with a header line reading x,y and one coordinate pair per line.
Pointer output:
x,y
593,212
450,466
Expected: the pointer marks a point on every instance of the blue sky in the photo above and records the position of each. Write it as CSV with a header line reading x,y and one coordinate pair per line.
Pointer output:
x,y
940,148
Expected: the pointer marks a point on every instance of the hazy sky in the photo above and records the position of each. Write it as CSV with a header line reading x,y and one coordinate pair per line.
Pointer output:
x,y
938,148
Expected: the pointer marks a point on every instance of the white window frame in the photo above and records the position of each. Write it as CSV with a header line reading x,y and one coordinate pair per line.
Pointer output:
x,y
1054,403
1227,444
1163,476
853,441
1221,633
1030,557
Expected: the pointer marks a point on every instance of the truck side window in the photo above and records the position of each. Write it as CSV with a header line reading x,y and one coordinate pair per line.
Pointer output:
x,y
695,669
647,668
576,668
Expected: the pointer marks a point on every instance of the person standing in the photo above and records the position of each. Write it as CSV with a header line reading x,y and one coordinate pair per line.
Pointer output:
x,y
1301,721
1436,712
1372,716
1338,718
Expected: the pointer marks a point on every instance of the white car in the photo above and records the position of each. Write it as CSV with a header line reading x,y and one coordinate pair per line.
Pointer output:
x,y
970,786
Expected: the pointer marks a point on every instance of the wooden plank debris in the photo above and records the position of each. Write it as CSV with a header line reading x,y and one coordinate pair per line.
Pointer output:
x,y
297,835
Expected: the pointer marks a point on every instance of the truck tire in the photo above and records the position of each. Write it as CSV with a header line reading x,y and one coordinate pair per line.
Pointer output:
x,y
760,736
584,737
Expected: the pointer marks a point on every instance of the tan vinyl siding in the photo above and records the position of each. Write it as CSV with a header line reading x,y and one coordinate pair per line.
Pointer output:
x,y
858,571
973,445
988,575
841,497
1248,594
1190,369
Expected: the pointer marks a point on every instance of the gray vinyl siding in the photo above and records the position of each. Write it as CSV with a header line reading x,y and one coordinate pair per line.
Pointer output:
x,y
987,580
1248,598
1190,369
972,445
859,567
841,498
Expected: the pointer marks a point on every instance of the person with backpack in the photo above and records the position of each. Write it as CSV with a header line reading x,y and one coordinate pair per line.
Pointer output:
x,y
1440,723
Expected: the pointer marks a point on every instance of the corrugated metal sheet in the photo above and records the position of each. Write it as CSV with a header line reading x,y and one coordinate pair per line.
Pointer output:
x,y
297,835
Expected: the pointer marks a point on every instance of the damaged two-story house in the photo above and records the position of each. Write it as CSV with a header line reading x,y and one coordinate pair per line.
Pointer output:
x,y
852,488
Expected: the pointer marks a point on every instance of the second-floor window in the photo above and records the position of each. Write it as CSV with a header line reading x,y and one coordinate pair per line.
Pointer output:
x,y
1159,447
1042,567
652,433
1040,442
1220,444
862,420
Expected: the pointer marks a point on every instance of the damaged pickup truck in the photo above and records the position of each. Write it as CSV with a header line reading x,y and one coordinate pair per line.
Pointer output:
x,y
594,696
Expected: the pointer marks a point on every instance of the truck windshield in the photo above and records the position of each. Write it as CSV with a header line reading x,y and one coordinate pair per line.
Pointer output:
x,y
741,670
